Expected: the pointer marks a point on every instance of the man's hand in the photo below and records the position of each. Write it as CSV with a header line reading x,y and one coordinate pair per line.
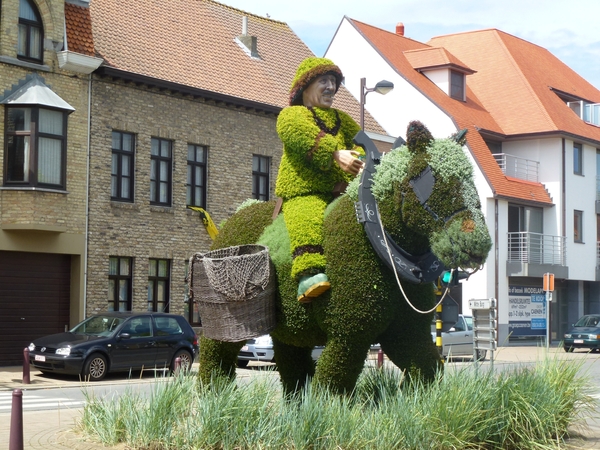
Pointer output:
x,y
348,161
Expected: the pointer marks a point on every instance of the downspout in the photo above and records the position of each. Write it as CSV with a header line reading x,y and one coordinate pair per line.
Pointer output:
x,y
496,254
87,197
563,192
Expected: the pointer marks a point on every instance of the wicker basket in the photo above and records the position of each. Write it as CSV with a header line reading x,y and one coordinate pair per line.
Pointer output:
x,y
245,311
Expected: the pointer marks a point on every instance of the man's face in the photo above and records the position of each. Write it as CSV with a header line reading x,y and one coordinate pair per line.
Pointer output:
x,y
320,92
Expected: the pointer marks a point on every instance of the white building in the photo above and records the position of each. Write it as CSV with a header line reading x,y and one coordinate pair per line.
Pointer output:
x,y
534,139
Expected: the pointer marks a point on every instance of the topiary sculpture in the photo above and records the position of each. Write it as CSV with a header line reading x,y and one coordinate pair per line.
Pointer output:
x,y
365,304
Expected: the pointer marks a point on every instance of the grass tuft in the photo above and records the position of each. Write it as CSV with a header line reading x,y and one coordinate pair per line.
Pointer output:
x,y
524,408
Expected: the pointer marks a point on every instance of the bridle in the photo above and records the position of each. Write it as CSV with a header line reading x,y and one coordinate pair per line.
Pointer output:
x,y
424,268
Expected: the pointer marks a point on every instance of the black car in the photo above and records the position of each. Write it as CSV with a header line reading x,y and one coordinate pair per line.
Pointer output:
x,y
585,333
117,341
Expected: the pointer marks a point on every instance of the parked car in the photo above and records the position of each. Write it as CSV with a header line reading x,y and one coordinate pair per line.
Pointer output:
x,y
458,340
117,341
261,349
585,333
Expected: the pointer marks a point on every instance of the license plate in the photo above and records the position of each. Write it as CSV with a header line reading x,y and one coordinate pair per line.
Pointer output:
x,y
245,348
578,341
40,358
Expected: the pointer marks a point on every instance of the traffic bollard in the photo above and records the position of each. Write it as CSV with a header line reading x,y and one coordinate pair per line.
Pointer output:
x,y
380,359
26,372
16,421
177,365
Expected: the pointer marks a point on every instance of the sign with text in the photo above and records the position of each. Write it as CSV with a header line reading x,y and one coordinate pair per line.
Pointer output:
x,y
526,311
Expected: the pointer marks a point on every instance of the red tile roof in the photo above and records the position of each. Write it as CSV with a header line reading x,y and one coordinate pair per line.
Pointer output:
x,y
515,80
470,114
193,43
435,57
78,26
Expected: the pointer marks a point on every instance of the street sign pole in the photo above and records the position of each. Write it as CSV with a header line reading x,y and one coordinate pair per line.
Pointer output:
x,y
548,287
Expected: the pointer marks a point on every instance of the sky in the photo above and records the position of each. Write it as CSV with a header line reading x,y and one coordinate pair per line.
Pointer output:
x,y
567,28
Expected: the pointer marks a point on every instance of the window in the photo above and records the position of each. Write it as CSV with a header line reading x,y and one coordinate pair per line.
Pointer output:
x,y
160,172
577,159
525,218
260,177
35,147
119,284
457,85
196,176
158,285
31,32
138,327
121,181
578,226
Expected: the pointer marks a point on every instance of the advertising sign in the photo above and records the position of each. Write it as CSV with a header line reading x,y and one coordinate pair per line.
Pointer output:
x,y
526,311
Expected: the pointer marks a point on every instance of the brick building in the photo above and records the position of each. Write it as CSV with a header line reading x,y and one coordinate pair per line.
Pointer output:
x,y
165,105
43,183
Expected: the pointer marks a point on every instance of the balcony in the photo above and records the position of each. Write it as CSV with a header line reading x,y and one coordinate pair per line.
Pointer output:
x,y
513,166
534,254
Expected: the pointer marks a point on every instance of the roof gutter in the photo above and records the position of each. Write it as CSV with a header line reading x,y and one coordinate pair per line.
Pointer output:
x,y
228,100
541,134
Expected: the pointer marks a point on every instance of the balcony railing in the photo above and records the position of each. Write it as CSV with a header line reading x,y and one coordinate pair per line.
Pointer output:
x,y
513,166
536,248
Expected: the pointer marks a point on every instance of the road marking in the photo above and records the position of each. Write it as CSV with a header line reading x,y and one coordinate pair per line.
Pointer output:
x,y
32,401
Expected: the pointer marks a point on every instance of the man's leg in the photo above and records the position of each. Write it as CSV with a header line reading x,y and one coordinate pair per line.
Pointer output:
x,y
304,221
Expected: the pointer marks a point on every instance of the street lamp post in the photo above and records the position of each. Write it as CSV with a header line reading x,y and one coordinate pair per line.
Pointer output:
x,y
382,87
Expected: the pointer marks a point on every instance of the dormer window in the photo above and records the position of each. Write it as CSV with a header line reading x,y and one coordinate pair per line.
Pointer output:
x,y
457,85
445,70
31,32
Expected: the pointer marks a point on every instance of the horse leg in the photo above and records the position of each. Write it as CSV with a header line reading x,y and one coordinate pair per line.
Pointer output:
x,y
295,366
408,344
218,359
341,363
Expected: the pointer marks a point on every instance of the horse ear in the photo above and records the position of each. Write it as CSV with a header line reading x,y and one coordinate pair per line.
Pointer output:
x,y
398,142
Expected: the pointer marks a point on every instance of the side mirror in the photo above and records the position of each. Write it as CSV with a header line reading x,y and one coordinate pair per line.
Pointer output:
x,y
452,329
124,336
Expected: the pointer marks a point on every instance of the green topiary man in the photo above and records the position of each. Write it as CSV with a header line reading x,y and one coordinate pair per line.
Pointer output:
x,y
318,156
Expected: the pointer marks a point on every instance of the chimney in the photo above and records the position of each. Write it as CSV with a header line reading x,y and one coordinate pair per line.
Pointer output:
x,y
248,41
400,29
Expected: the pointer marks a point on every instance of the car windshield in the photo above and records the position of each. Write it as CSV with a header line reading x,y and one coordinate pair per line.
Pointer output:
x,y
98,325
588,321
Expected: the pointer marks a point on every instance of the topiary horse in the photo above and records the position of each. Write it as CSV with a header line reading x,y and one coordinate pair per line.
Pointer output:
x,y
427,201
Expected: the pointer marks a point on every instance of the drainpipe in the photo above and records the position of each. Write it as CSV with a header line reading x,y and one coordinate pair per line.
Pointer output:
x,y
87,197
563,192
496,254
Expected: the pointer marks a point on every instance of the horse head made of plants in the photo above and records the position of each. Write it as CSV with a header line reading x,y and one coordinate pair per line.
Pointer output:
x,y
428,203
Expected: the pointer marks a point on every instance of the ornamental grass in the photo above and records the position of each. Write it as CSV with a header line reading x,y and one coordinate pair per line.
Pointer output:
x,y
468,408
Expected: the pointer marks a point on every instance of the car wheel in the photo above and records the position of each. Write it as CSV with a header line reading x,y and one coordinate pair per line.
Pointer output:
x,y
242,363
95,367
186,360
480,354
568,349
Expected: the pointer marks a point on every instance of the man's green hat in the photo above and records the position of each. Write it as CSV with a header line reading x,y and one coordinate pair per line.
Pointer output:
x,y
308,70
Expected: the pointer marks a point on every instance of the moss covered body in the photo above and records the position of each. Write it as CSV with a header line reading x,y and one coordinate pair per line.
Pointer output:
x,y
307,176
365,305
